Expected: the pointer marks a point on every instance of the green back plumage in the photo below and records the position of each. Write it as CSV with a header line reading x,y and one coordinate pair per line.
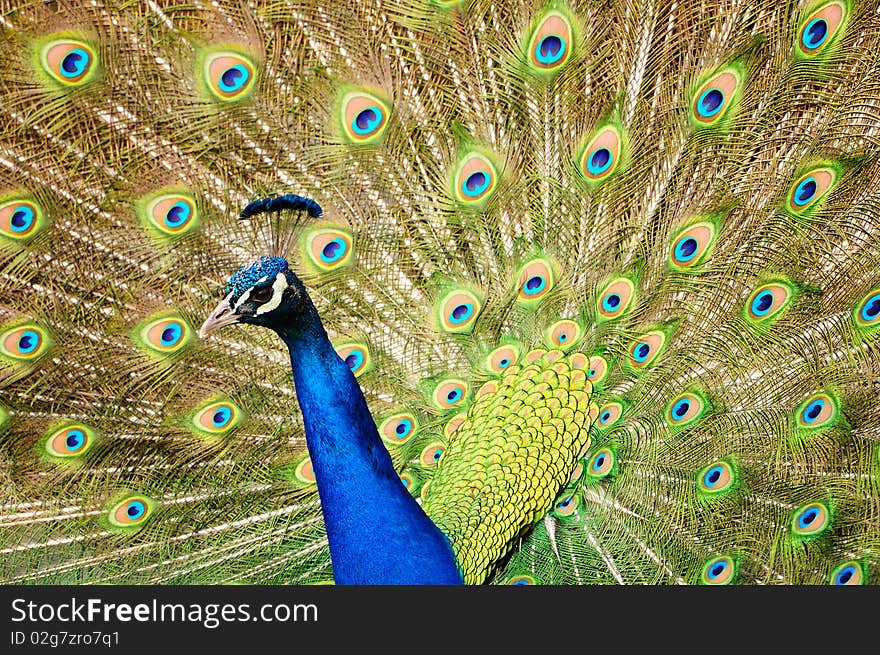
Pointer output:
x,y
677,200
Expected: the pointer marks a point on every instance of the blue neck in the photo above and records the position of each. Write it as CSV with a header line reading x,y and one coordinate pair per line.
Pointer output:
x,y
377,532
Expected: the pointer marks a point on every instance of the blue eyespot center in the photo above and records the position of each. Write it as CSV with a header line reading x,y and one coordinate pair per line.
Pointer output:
x,y
642,351
611,302
74,63
712,476
710,103
717,570
75,439
805,191
234,78
762,303
438,454
135,509
367,121
845,575
403,428
592,373
475,184
563,337
221,417
354,359
599,463
453,395
333,250
534,285
28,341
550,49
22,219
504,363
686,249
171,334
600,161
813,410
565,503
681,408
461,313
177,215
815,33
871,308
807,518
606,415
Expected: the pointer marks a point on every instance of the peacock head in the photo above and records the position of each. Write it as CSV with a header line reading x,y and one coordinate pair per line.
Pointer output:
x,y
265,293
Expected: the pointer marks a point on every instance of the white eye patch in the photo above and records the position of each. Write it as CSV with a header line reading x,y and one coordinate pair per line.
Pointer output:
x,y
278,287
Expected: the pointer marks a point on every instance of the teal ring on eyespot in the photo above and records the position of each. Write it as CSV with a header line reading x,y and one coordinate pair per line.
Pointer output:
x,y
403,428
453,396
75,440
810,32
805,191
438,454
680,409
74,63
22,219
599,462
354,359
762,303
178,214
476,184
844,575
365,123
221,417
28,342
812,411
611,302
600,161
714,99
606,415
172,334
333,250
870,311
233,78
807,517
686,249
641,352
717,570
550,49
711,477
534,285
461,313
504,363
564,503
135,510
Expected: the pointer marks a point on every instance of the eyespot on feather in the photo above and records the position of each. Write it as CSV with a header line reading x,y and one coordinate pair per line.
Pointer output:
x,y
685,409
767,302
691,245
364,117
646,349
432,454
165,335
72,440
566,507
218,417
715,97
450,393
820,29
598,369
609,414
818,411
25,342
21,219
69,62
551,43
600,157
458,310
719,571
229,76
811,520
866,313
356,356
717,478
502,358
563,334
131,511
850,573
170,214
399,428
329,249
602,463
615,298
810,188
475,179
535,281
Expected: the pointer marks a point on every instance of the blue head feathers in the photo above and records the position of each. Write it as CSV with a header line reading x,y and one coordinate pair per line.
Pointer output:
x,y
247,276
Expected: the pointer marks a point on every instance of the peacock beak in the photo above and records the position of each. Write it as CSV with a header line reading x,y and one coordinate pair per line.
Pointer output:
x,y
222,315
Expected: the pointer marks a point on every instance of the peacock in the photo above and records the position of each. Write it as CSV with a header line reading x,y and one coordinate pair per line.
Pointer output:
x,y
557,292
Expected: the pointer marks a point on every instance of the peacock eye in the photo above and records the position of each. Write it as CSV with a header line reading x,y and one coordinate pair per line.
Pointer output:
x,y
261,294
